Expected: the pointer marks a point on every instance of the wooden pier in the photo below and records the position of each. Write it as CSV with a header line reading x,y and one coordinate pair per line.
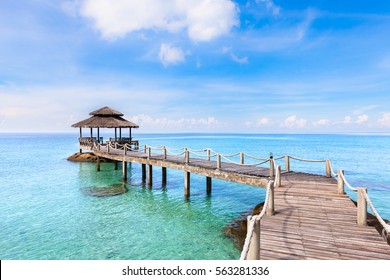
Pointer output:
x,y
305,216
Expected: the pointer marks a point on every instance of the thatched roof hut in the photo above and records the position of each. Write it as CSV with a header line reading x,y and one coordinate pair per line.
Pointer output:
x,y
105,117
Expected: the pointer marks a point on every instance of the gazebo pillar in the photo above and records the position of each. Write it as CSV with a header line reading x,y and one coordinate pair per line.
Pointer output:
x,y
91,132
81,136
98,135
115,133
120,133
130,133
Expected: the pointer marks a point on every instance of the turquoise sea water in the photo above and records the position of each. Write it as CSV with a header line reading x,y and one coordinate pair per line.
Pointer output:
x,y
47,212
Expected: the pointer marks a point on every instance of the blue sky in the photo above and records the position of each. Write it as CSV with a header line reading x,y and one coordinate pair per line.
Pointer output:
x,y
249,66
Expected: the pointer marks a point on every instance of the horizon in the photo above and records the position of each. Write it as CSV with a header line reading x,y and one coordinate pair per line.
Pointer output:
x,y
224,66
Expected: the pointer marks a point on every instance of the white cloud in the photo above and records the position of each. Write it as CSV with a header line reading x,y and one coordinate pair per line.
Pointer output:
x,y
347,120
170,55
362,119
264,122
294,122
322,122
147,122
271,6
239,60
204,20
385,120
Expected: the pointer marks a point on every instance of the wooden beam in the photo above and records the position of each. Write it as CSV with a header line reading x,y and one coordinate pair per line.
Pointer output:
x,y
187,184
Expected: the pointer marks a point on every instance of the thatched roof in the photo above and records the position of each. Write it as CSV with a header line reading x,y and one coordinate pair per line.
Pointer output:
x,y
106,117
106,111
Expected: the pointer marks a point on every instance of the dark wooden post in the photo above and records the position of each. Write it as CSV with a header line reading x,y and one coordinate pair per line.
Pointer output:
x,y
120,133
208,185
164,176
187,185
150,175
143,173
115,133
98,164
124,170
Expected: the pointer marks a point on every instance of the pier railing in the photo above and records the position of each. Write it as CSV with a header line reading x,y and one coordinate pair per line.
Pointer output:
x,y
243,159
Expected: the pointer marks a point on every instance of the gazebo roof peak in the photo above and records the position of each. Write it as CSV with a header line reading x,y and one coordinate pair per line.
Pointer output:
x,y
106,111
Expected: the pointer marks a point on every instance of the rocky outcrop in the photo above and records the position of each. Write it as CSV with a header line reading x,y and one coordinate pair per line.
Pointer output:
x,y
86,157
236,229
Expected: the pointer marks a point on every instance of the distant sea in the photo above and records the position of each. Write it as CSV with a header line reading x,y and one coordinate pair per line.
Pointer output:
x,y
48,210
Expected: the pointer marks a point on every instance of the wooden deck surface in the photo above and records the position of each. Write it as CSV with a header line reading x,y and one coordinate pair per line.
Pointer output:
x,y
311,220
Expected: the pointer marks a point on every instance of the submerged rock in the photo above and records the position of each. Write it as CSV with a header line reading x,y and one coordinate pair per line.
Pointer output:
x,y
236,229
86,157
110,190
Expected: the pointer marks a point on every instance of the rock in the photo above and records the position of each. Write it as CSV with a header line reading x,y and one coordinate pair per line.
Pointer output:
x,y
236,229
111,190
86,157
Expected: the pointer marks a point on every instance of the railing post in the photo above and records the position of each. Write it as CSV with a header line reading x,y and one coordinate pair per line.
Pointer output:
x,y
125,148
271,167
108,147
145,149
271,200
287,161
254,247
278,177
328,169
361,207
208,154
149,152
242,158
340,182
218,161
186,155
165,152
116,146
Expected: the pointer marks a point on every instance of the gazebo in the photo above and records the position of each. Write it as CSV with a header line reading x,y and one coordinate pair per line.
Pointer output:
x,y
105,117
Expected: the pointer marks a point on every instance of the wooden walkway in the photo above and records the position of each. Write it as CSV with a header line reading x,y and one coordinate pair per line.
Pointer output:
x,y
311,220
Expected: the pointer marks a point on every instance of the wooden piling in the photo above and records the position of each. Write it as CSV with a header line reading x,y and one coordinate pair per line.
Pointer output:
x,y
218,161
98,164
287,162
187,185
271,167
328,171
164,176
124,170
242,158
143,172
340,182
116,165
271,200
254,248
278,177
208,185
361,207
150,175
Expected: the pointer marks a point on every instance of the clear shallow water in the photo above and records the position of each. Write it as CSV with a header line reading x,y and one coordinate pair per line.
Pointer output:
x,y
47,213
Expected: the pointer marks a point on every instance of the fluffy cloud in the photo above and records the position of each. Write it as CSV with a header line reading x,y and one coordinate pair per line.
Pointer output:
x,y
170,55
203,20
184,123
385,120
362,119
347,120
263,122
322,122
270,6
294,122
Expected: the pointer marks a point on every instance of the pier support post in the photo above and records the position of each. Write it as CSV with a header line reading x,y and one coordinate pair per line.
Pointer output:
x,y
208,185
186,155
271,200
287,161
328,175
361,207
278,177
187,185
254,248
124,170
116,165
164,176
150,175
165,152
98,164
340,182
271,167
143,172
